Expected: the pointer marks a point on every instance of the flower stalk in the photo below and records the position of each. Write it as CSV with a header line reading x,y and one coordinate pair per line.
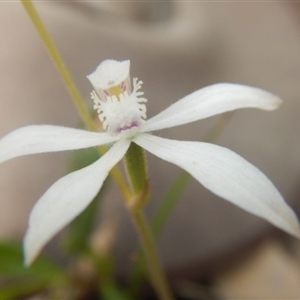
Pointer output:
x,y
59,64
156,275
136,169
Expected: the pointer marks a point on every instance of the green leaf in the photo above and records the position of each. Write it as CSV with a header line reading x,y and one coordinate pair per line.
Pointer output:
x,y
11,262
112,292
18,280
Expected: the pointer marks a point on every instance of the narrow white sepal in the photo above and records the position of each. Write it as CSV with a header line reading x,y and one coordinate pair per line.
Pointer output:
x,y
210,101
228,175
66,199
48,138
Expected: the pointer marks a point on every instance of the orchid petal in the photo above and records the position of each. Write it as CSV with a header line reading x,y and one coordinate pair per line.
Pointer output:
x,y
212,100
48,138
227,175
66,199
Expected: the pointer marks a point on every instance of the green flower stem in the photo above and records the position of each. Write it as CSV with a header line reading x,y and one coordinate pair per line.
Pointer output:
x,y
157,277
77,100
58,62
136,169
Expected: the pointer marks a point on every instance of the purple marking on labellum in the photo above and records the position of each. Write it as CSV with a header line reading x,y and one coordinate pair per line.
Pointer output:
x,y
133,124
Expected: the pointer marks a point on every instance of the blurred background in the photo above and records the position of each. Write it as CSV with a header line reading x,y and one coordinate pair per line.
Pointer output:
x,y
208,246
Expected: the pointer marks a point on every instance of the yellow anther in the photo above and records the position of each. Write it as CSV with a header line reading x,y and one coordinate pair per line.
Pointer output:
x,y
115,91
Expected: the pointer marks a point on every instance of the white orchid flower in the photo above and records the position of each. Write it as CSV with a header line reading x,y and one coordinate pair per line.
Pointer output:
x,y
220,170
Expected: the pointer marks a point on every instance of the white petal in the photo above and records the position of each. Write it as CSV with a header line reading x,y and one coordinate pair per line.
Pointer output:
x,y
48,138
212,100
227,175
66,199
